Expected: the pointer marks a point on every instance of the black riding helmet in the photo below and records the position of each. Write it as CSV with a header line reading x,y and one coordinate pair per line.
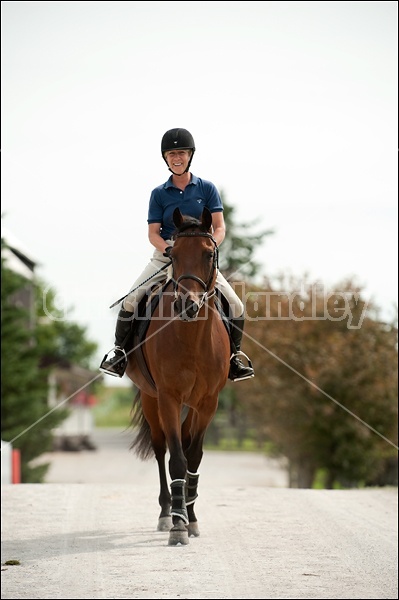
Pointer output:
x,y
178,139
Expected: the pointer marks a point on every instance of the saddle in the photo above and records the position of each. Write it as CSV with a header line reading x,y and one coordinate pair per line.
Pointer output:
x,y
144,312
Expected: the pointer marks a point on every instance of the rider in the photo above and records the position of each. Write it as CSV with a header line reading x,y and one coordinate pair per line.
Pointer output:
x,y
190,194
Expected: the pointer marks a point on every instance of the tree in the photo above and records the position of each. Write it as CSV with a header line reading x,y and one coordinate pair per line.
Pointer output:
x,y
61,341
325,389
237,264
25,418
236,252
27,352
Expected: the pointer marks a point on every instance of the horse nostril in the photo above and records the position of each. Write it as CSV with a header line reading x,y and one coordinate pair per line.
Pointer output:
x,y
192,310
177,306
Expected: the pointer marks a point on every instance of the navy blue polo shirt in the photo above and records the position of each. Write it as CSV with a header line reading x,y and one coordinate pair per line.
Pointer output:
x,y
166,197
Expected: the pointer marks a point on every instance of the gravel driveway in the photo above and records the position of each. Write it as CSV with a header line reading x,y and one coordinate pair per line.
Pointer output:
x,y
90,532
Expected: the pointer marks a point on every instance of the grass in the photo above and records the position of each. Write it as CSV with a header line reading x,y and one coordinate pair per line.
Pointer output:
x,y
113,410
113,407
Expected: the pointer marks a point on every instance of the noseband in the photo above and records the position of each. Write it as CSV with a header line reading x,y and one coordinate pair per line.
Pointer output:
x,y
215,265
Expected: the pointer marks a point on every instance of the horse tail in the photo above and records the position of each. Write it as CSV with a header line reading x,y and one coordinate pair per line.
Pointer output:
x,y
142,443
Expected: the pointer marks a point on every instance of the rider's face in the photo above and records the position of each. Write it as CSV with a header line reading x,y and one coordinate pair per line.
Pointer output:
x,y
178,160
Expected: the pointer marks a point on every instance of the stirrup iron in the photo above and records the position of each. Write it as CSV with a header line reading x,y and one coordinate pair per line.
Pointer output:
x,y
241,353
233,378
120,361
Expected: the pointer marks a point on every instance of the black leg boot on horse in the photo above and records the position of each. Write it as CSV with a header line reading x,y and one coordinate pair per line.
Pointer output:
x,y
116,365
238,370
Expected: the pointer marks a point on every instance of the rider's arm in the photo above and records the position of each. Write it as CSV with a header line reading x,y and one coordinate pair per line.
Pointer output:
x,y
219,228
155,238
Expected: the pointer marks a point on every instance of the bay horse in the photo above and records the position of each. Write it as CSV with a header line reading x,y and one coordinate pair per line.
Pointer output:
x,y
187,354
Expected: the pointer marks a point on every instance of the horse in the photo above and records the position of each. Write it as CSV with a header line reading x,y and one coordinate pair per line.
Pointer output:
x,y
187,354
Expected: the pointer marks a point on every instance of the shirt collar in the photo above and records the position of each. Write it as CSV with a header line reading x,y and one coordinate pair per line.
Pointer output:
x,y
169,184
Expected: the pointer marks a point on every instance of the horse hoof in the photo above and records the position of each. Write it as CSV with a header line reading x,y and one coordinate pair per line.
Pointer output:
x,y
192,529
164,523
178,535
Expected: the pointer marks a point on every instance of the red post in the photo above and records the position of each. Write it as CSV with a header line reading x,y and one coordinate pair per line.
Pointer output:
x,y
16,466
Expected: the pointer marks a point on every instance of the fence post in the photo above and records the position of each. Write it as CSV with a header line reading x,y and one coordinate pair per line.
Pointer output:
x,y
16,466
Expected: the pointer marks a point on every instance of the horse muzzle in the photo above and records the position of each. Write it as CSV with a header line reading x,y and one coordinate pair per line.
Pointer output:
x,y
186,308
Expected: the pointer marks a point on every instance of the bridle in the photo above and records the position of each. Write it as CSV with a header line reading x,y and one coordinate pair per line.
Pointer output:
x,y
215,265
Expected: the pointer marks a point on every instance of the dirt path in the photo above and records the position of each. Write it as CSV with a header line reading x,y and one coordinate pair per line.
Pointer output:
x,y
259,539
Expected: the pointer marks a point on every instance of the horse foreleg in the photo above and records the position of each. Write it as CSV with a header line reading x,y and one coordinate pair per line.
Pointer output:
x,y
191,478
178,534
194,455
191,496
186,430
164,499
177,470
158,442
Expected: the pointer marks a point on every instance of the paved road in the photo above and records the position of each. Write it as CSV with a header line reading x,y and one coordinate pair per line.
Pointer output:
x,y
90,532
113,462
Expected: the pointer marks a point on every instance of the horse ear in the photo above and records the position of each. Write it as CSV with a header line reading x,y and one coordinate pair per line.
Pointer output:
x,y
177,218
206,218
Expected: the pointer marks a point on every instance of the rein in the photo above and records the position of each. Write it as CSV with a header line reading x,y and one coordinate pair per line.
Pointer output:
x,y
142,283
194,277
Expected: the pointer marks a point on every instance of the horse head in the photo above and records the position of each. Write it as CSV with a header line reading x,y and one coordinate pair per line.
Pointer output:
x,y
195,263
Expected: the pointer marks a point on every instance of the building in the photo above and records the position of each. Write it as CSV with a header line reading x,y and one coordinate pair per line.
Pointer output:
x,y
69,384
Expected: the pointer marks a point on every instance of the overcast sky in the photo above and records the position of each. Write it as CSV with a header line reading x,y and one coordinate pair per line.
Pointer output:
x,y
292,105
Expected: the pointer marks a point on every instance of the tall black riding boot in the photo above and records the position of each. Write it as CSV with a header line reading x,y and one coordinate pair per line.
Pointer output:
x,y
237,368
116,365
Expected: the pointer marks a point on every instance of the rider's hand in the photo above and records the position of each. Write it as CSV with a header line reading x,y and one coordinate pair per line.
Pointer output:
x,y
167,252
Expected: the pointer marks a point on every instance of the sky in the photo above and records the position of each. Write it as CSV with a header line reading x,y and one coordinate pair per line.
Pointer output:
x,y
293,107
